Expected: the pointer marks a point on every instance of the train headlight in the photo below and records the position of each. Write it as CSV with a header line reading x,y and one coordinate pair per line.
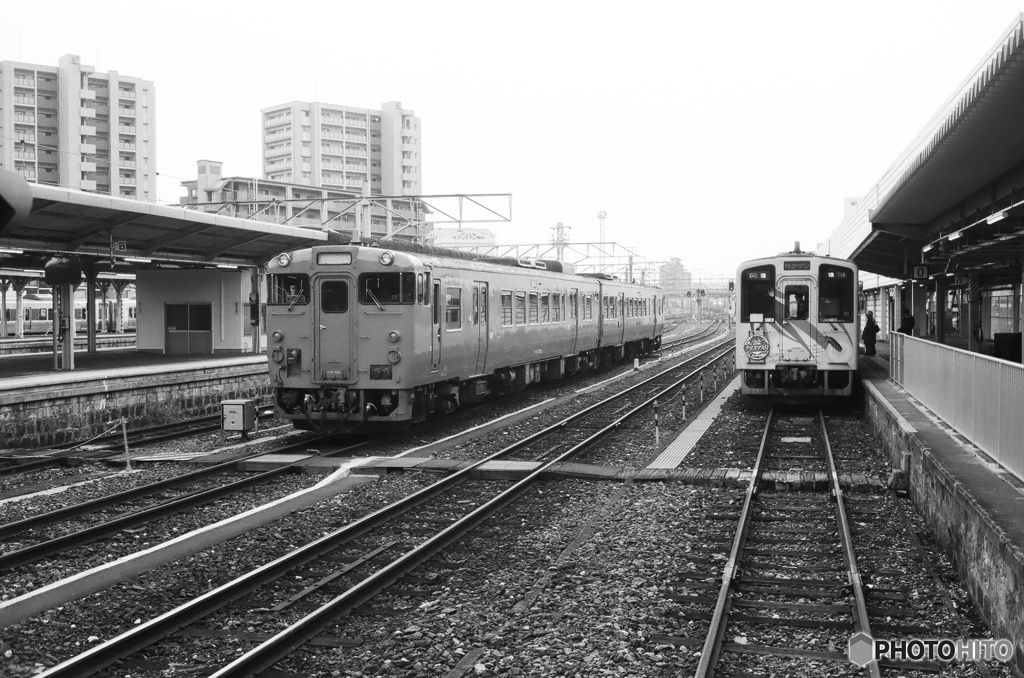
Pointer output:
x,y
394,336
394,357
387,258
277,335
284,259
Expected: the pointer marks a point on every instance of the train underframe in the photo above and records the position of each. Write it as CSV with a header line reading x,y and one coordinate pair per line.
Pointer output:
x,y
791,380
340,409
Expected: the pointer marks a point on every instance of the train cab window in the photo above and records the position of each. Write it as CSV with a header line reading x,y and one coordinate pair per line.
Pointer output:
x,y
836,294
288,289
334,296
757,294
797,302
506,308
377,289
453,308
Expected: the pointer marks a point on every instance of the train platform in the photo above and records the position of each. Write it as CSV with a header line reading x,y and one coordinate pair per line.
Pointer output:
x,y
45,407
974,507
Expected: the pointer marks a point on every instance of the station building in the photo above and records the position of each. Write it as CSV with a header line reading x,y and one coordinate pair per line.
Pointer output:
x,y
941,232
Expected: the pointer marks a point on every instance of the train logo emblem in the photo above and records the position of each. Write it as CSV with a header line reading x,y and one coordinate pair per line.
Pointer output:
x,y
757,347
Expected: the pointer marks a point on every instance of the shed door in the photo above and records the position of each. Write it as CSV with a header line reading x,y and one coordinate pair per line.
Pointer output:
x,y
333,329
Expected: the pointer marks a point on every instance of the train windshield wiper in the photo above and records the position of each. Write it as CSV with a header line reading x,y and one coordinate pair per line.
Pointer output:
x,y
373,298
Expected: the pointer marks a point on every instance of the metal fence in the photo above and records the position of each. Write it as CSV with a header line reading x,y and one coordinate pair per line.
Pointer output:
x,y
979,396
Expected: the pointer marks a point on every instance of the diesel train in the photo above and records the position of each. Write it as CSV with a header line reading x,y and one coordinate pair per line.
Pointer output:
x,y
377,337
797,326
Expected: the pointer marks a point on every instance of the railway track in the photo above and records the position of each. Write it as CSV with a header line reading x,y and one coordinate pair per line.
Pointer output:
x,y
343,571
788,568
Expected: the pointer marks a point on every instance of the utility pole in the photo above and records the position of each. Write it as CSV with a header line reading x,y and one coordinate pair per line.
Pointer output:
x,y
560,237
600,241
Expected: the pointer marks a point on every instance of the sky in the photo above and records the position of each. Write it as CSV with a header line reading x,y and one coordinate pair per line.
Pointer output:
x,y
711,132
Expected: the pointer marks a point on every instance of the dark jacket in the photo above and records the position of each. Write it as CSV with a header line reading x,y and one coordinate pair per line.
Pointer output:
x,y
907,325
871,329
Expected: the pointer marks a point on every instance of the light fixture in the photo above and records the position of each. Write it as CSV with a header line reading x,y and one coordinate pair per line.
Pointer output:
x,y
927,248
998,216
284,259
955,235
138,260
10,250
227,266
387,258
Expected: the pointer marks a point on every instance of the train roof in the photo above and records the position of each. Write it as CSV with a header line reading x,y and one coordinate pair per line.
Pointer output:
x,y
452,257
797,254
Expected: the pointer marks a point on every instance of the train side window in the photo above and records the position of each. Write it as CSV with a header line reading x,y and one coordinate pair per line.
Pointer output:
x,y
506,308
545,307
520,308
453,308
557,302
426,289
334,296
797,302
420,293
534,312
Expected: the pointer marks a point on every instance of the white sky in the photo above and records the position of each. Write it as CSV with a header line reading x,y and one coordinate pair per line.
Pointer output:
x,y
713,132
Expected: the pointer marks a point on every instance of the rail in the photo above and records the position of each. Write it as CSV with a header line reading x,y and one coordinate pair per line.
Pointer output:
x,y
978,395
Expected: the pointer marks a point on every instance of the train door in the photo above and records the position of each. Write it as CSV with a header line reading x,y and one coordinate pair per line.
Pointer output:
x,y
334,327
574,314
620,332
796,316
479,317
435,329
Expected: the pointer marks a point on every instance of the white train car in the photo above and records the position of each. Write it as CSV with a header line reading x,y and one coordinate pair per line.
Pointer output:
x,y
37,314
797,326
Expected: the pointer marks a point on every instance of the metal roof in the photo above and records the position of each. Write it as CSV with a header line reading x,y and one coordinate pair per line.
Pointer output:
x,y
976,140
93,225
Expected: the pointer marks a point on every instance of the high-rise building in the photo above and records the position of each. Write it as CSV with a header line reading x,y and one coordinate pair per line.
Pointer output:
x,y
341,147
71,126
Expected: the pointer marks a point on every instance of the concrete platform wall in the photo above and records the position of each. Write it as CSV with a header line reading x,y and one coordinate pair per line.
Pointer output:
x,y
988,564
33,417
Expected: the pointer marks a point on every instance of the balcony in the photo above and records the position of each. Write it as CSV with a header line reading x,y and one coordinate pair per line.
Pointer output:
x,y
87,95
280,150
127,129
26,138
355,122
27,157
129,112
85,112
274,122
25,119
87,149
88,185
125,94
24,82
124,146
126,163
358,138
24,101
87,130
125,180
87,166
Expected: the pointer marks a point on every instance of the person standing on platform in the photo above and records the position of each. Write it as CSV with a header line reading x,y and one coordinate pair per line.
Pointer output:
x,y
870,334
906,323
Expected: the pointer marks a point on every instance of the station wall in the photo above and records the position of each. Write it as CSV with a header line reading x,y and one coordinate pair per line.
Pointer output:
x,y
192,312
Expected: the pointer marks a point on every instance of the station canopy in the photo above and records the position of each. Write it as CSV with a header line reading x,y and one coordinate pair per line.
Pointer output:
x,y
954,202
117,234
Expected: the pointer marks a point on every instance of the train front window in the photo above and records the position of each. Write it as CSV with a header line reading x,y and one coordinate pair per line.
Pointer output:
x,y
376,289
837,297
797,302
757,294
288,289
334,296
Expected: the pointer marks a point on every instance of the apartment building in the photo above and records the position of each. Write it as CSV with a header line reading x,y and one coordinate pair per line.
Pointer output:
x,y
282,202
341,147
71,126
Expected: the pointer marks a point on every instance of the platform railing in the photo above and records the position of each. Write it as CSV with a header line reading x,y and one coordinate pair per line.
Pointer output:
x,y
981,397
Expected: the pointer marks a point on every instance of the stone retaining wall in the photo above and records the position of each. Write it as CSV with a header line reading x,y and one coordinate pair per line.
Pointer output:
x,y
35,417
988,565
